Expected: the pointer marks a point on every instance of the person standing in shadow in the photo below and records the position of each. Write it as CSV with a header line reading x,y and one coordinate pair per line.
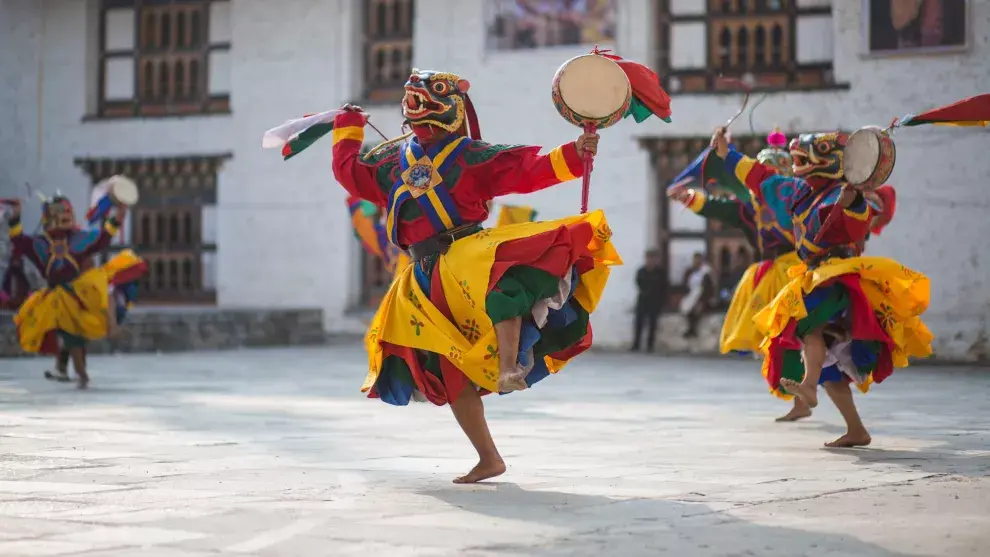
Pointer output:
x,y
651,282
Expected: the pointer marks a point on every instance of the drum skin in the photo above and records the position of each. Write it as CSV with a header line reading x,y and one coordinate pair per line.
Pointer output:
x,y
591,91
868,158
123,190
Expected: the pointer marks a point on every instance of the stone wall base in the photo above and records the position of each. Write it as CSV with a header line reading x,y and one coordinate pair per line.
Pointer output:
x,y
185,329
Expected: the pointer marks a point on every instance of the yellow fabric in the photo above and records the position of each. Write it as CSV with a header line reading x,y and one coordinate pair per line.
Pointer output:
x,y
431,195
80,310
559,163
82,314
744,167
738,330
512,214
350,132
898,295
697,202
401,262
407,318
15,230
121,262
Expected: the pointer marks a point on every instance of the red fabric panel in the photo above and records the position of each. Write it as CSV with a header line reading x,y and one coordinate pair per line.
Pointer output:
x,y
967,110
761,271
555,252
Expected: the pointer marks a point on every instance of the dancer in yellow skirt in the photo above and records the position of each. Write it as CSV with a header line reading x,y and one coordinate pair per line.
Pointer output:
x,y
767,231
479,311
842,317
75,307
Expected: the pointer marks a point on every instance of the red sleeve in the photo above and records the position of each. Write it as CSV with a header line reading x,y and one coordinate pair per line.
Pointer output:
x,y
357,177
525,170
850,224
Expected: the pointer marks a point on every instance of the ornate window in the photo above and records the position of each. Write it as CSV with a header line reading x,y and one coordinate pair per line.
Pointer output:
x,y
388,26
173,226
769,44
164,57
681,233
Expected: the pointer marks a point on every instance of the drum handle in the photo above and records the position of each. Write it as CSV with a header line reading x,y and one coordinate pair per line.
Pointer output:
x,y
589,161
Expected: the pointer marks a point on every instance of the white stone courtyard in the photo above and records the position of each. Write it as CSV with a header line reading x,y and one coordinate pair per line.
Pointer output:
x,y
276,453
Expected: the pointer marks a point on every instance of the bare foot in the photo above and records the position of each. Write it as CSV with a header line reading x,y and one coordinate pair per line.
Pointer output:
x,y
794,415
83,382
850,440
484,470
511,380
808,394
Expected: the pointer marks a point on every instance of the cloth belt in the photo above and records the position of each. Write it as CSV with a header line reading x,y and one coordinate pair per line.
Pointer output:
x,y
440,243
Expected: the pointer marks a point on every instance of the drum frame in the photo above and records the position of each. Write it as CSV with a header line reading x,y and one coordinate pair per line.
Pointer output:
x,y
884,165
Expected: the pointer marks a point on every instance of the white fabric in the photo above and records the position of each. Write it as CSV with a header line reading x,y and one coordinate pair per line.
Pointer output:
x,y
278,136
541,310
695,284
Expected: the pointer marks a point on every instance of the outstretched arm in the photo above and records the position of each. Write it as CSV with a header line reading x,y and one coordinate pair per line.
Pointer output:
x,y
526,171
744,169
358,177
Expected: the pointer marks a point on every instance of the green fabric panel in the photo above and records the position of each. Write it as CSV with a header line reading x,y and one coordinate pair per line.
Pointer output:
x,y
792,367
837,300
517,291
638,111
714,169
480,152
307,137
721,209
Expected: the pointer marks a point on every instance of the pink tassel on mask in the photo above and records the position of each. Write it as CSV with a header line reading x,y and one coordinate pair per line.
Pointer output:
x,y
777,138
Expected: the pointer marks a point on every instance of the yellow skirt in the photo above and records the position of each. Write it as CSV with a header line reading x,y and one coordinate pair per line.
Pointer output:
x,y
739,333
79,309
407,318
893,299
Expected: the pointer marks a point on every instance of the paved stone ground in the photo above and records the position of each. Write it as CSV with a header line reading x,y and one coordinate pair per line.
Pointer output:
x,y
275,453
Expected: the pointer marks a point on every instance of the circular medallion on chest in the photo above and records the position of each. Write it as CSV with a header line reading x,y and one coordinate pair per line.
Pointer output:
x,y
60,250
420,176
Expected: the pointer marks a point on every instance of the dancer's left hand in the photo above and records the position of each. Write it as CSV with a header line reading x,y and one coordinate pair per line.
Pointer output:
x,y
587,143
847,196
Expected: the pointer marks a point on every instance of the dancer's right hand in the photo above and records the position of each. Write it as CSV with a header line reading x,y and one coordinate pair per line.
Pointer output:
x,y
720,142
348,107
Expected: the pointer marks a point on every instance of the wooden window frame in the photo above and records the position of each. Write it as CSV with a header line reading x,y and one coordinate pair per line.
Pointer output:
x,y
391,38
138,106
167,190
668,157
788,75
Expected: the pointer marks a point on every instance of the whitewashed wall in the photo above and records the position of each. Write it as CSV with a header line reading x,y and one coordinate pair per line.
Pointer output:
x,y
284,239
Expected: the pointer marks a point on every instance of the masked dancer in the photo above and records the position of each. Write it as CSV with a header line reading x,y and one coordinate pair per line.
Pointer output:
x,y
74,308
771,238
842,318
479,311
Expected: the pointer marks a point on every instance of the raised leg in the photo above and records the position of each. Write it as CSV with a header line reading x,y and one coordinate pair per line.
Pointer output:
x,y
469,411
813,354
510,377
856,434
799,411
78,355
